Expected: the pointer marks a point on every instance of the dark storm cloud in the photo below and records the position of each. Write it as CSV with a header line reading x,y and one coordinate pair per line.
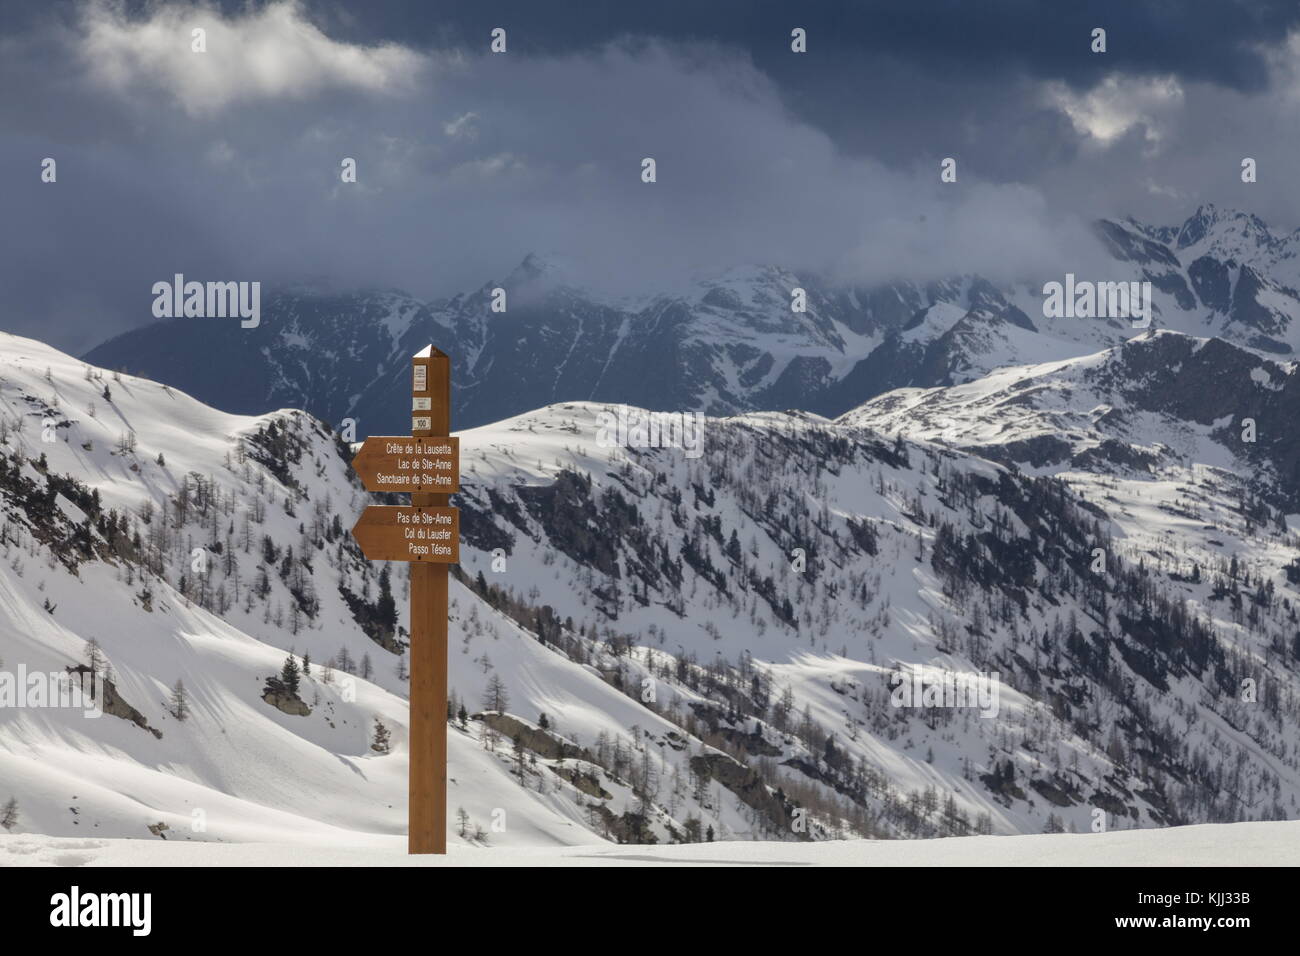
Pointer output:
x,y
226,167
885,76
1217,42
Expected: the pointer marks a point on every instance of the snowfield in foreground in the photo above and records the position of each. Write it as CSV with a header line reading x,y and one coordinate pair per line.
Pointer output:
x,y
1237,844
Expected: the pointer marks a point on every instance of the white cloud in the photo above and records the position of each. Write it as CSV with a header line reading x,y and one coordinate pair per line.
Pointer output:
x,y
267,54
1284,68
1117,104
462,127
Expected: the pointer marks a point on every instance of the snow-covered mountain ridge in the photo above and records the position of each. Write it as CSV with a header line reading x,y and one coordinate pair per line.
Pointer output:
x,y
1159,399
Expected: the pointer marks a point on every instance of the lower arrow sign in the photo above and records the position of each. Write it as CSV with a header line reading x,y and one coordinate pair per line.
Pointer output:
x,y
409,533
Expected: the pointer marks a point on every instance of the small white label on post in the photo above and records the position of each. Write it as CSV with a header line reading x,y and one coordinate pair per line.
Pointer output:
x,y
421,423
419,404
421,378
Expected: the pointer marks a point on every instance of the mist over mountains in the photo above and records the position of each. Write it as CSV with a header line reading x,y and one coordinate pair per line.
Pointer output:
x,y
725,344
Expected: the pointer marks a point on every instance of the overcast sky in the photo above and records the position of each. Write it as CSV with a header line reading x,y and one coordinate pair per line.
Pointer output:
x,y
225,165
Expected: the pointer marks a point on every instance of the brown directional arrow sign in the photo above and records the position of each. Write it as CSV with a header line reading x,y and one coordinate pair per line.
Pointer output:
x,y
397,463
409,533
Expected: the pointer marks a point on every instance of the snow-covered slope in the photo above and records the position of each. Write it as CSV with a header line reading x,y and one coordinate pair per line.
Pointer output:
x,y
648,647
108,527
1121,681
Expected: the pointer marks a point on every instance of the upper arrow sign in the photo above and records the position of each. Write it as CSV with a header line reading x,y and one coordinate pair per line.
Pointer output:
x,y
409,464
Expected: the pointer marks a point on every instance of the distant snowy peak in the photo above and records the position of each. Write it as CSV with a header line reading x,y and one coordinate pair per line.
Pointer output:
x,y
1224,233
1222,272
1211,230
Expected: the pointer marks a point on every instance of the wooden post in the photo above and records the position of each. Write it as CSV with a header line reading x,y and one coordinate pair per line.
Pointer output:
x,y
427,808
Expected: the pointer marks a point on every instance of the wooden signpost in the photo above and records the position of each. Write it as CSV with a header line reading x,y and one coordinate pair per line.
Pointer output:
x,y
426,533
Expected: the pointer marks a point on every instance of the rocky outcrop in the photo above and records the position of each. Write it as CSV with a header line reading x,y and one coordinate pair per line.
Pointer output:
x,y
284,698
286,702
745,783
537,739
109,700
586,781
